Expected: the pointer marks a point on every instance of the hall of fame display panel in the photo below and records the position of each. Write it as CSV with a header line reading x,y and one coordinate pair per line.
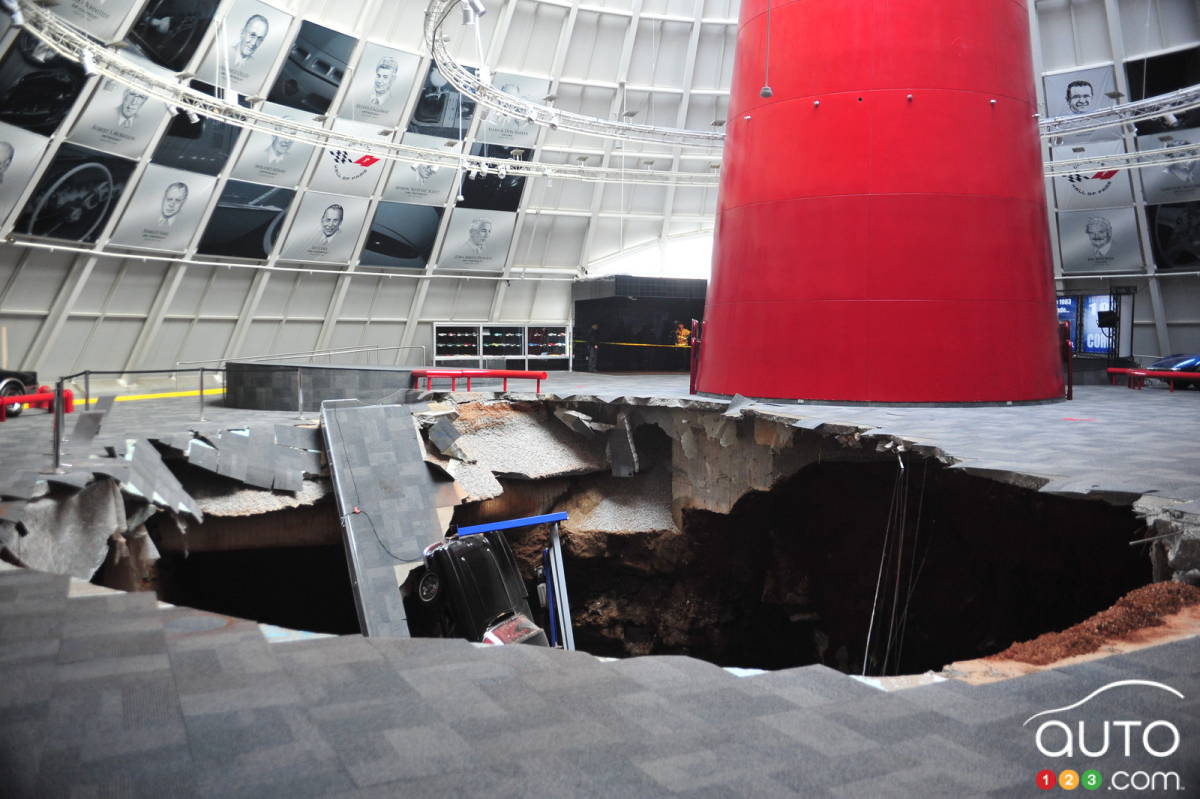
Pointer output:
x,y
1099,241
325,228
316,64
477,240
1175,235
401,236
246,221
118,118
1092,188
248,42
277,160
168,32
349,171
380,86
20,152
1175,182
491,191
37,86
500,128
100,18
441,109
423,184
1080,92
166,209
76,195
201,146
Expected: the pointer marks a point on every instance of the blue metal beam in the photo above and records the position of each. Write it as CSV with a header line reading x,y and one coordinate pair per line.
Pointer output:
x,y
528,521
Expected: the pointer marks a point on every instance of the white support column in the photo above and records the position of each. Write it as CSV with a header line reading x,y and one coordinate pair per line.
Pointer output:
x,y
689,79
60,309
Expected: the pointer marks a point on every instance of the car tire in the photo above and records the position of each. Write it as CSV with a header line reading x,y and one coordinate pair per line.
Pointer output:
x,y
429,587
12,388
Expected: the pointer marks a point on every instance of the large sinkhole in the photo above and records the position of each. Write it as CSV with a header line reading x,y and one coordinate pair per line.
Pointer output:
x,y
863,567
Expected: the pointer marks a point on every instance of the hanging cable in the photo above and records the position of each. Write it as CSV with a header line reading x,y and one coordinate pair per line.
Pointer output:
x,y
766,91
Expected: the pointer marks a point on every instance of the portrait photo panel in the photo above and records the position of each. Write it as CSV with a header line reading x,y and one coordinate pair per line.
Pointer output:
x,y
380,86
1092,188
168,32
118,118
267,158
100,18
424,184
248,42
1104,240
441,109
350,172
325,229
1174,182
500,128
1175,235
200,146
315,67
401,236
37,86
246,221
1080,92
20,152
477,240
165,210
76,195
492,191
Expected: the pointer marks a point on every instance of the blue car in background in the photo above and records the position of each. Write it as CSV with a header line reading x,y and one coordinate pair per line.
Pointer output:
x,y
1177,363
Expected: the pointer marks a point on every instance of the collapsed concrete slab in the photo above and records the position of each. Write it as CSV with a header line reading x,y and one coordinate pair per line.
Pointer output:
x,y
519,440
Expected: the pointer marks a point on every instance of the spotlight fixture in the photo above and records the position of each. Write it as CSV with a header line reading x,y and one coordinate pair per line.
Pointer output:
x,y
1079,149
766,91
14,12
85,61
193,118
718,123
469,17
629,114
476,6
461,198
173,110
1170,120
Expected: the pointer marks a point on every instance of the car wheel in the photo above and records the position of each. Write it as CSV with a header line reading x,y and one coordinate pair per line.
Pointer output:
x,y
429,587
12,388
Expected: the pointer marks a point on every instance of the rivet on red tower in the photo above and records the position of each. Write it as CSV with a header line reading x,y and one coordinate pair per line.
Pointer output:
x,y
881,229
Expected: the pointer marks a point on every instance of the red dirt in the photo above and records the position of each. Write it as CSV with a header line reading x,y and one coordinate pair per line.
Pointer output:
x,y
474,416
1138,610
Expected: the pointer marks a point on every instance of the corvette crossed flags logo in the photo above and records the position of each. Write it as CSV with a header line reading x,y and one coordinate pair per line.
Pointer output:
x,y
343,157
1107,174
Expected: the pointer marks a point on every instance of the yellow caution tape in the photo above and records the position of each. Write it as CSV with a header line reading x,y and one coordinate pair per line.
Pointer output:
x,y
162,395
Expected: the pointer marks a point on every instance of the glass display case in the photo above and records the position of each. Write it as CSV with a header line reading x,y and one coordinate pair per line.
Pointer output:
x,y
503,342
455,342
548,341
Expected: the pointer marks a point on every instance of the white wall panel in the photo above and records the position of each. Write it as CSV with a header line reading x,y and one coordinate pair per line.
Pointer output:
x,y
528,48
100,285
659,53
192,288
138,287
595,47
312,295
108,344
228,291
206,339
37,284
551,301
1153,25
548,240
62,356
166,345
714,69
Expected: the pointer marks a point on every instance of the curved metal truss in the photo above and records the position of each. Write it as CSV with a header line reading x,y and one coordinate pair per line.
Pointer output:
x,y
486,94
64,39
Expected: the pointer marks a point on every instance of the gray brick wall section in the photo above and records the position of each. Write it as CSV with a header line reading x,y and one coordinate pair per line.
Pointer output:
x,y
280,387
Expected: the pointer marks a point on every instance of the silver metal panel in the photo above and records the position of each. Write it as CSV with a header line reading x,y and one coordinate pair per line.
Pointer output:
x,y
1099,241
380,86
325,228
477,240
247,44
166,209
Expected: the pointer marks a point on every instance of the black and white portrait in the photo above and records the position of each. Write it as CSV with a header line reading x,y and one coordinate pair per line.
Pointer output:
x,y
37,86
76,195
514,130
168,32
1083,91
477,240
1178,181
401,235
20,152
350,171
325,228
423,184
315,67
1094,187
1099,241
165,210
380,86
499,189
277,160
246,221
119,119
441,109
243,54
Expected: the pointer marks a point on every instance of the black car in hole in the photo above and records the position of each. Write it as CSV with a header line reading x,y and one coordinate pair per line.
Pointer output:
x,y
14,384
470,587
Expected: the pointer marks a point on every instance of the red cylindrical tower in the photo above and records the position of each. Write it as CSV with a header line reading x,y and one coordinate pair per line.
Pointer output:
x,y
881,229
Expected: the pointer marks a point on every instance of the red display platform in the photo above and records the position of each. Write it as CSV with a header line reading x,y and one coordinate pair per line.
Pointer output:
x,y
881,229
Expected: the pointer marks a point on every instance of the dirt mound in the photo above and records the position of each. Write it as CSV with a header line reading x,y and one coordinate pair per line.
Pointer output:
x,y
1139,609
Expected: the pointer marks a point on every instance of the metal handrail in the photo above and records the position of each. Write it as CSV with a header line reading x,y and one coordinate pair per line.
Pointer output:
x,y
312,354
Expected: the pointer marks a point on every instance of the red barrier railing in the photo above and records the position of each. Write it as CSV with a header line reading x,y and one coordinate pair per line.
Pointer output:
x,y
1136,378
42,398
468,374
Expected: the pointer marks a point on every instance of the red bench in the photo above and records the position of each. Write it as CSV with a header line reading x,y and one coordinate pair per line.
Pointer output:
x,y
42,398
468,374
1136,378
